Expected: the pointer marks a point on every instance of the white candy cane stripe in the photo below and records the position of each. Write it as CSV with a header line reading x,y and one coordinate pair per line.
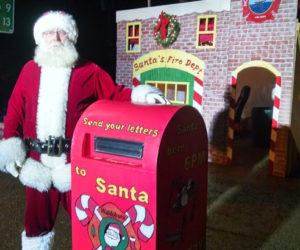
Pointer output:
x,y
198,94
197,106
82,203
275,116
96,212
277,96
132,242
81,214
277,89
147,230
140,214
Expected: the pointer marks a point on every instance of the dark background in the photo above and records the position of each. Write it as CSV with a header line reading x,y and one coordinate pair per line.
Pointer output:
x,y
97,35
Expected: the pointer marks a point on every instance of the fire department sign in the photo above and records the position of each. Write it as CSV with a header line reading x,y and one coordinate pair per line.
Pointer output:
x,y
260,10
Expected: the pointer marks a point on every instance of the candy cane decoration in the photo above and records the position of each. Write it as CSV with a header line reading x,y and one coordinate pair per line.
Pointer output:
x,y
277,96
134,214
136,80
198,94
231,120
139,213
86,202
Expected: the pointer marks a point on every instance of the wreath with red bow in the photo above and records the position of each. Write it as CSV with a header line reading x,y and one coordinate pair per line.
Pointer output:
x,y
166,30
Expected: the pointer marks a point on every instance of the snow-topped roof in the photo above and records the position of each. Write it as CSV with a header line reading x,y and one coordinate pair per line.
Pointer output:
x,y
178,9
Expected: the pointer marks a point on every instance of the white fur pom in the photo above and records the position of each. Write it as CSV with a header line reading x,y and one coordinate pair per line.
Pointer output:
x,y
147,94
35,175
12,150
44,242
61,177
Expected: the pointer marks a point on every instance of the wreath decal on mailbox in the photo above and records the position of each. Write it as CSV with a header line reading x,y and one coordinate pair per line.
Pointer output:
x,y
110,228
166,30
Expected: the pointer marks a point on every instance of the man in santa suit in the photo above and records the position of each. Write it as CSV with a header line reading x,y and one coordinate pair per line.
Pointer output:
x,y
50,95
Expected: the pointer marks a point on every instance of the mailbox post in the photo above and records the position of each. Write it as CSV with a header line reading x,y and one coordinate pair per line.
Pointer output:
x,y
139,177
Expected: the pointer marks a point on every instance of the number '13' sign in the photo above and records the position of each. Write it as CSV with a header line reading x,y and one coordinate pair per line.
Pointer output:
x,y
7,16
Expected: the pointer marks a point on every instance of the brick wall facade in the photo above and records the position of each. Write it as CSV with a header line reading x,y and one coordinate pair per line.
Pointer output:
x,y
237,41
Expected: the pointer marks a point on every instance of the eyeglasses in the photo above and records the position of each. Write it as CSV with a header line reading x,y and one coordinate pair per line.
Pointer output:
x,y
54,32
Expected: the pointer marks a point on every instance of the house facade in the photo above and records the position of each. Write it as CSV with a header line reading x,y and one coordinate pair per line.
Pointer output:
x,y
203,53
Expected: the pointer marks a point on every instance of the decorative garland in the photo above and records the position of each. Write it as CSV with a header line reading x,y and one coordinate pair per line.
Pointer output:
x,y
166,30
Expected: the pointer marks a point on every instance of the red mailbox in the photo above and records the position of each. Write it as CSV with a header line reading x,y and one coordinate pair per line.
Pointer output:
x,y
139,177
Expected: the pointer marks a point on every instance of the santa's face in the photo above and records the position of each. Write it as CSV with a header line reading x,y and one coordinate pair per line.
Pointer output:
x,y
56,50
54,37
112,237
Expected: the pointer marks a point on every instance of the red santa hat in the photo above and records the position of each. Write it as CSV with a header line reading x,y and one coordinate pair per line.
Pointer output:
x,y
116,228
55,20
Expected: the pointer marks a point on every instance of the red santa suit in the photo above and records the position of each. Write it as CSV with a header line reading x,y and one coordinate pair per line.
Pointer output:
x,y
49,101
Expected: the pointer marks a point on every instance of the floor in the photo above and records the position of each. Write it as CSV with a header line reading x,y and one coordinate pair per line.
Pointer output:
x,y
247,208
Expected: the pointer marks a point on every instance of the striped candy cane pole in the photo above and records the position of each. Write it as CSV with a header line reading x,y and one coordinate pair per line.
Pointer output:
x,y
231,121
277,95
86,202
198,93
139,213
136,80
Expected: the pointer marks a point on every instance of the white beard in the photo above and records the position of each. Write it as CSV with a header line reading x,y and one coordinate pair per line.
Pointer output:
x,y
58,55
112,241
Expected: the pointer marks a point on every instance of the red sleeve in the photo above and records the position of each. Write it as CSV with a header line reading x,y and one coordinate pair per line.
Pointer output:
x,y
107,89
14,118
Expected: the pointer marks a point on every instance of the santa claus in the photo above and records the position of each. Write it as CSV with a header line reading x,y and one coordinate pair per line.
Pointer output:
x,y
113,236
51,93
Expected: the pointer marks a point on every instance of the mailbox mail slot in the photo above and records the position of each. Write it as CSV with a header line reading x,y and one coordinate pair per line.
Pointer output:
x,y
139,177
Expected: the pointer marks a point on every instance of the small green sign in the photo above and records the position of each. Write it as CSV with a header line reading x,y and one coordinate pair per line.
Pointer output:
x,y
7,8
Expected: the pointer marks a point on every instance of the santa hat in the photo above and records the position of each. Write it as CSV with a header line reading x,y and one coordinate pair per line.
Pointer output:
x,y
55,20
116,228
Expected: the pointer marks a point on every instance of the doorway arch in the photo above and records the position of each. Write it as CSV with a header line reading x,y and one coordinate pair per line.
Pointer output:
x,y
275,114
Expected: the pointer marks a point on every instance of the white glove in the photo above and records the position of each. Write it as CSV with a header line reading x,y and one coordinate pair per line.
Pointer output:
x,y
13,168
12,154
147,94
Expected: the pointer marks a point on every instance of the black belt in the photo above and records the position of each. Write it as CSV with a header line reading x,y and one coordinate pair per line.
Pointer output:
x,y
54,146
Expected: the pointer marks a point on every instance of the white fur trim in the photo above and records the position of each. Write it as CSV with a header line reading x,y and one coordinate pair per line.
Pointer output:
x,y
61,177
44,242
13,169
147,94
55,20
12,150
53,161
35,175
52,102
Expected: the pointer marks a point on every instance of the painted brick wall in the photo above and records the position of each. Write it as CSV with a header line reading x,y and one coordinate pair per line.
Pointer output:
x,y
215,60
237,41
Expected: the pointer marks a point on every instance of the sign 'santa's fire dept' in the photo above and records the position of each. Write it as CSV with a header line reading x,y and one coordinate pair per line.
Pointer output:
x,y
139,177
